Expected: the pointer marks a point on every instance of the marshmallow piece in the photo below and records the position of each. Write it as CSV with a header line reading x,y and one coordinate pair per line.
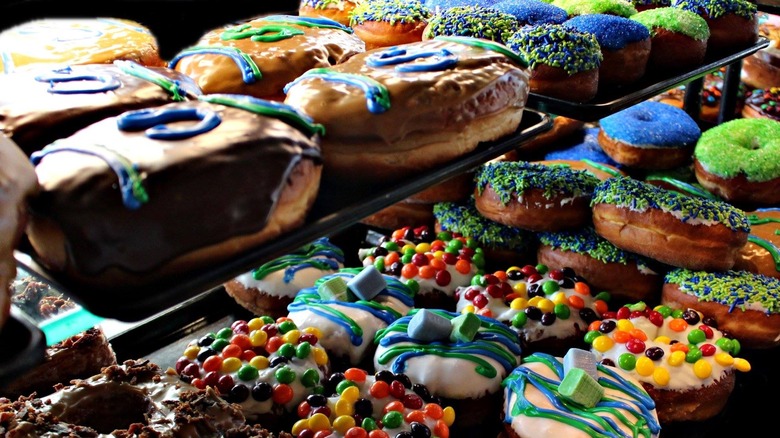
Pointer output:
x,y
583,359
334,288
579,387
428,326
464,327
368,283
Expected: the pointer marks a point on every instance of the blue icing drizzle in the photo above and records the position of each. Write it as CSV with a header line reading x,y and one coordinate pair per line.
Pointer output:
x,y
612,32
652,124
154,121
321,22
64,81
377,96
404,59
532,12
588,148
250,72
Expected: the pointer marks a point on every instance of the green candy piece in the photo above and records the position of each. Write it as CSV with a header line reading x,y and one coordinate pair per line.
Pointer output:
x,y
393,419
334,288
287,350
519,320
303,350
464,327
225,333
591,336
285,374
287,326
247,373
219,344
579,387
310,378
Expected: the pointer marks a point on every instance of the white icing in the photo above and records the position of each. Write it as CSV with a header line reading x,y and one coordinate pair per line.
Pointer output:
x,y
275,284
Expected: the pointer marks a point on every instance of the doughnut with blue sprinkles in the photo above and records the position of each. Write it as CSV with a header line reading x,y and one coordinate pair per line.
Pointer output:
x,y
532,12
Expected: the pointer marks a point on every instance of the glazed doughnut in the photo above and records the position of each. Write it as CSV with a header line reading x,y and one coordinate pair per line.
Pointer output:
x,y
271,287
128,400
17,184
42,104
599,170
649,135
431,264
396,128
108,184
401,214
761,255
678,39
532,12
683,361
733,23
625,46
336,10
737,161
626,276
762,103
472,21
549,309
534,196
259,57
481,351
535,404
76,41
502,245
557,68
385,23
667,226
385,401
743,303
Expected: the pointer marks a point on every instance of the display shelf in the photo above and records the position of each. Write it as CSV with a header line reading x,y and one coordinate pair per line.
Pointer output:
x,y
24,346
337,206
613,100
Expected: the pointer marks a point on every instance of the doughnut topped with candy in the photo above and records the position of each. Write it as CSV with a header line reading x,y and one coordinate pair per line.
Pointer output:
x,y
472,21
763,103
761,255
264,365
259,57
744,304
683,361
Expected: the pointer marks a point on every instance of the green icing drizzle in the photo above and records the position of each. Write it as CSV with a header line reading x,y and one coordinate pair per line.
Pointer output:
x,y
640,196
152,76
718,8
558,46
313,254
690,189
391,11
735,289
749,147
769,247
675,20
757,220
606,169
264,34
512,178
620,8
487,45
267,108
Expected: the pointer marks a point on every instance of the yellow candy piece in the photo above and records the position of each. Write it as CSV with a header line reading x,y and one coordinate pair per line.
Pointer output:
x,y
625,325
407,247
702,369
320,356
299,426
663,340
513,268
559,298
291,337
319,422
741,364
645,366
545,305
520,288
676,359
518,304
448,416
255,324
344,407
423,247
438,254
468,309
191,352
343,423
661,376
258,338
534,302
603,343
724,359
231,364
351,394
259,362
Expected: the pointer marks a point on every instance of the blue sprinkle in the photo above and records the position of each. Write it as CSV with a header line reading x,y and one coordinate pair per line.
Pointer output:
x,y
588,149
652,124
612,32
532,12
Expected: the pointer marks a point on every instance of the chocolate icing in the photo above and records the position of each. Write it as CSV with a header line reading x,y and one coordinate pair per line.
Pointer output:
x,y
34,117
235,172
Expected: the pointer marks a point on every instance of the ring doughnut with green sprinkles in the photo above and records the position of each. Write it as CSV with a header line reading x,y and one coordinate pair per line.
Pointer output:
x,y
472,21
748,147
509,179
558,46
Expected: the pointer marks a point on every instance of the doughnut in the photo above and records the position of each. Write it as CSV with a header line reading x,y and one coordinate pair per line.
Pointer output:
x,y
678,39
18,184
534,196
733,23
667,226
396,128
472,21
345,319
433,346
264,366
599,170
76,41
385,23
538,403
683,361
260,56
762,103
336,10
549,309
271,287
649,135
456,188
584,147
761,255
627,277
113,181
621,8
736,160
502,245
128,400
743,303
625,46
564,62
385,401
401,214
563,128
42,104
532,12
762,69
432,264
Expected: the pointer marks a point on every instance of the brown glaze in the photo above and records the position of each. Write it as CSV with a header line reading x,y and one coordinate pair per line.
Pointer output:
x,y
756,258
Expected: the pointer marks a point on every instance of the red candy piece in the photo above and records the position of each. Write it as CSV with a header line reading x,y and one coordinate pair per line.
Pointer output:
x,y
623,313
397,389
707,349
635,346
480,301
707,331
443,278
495,291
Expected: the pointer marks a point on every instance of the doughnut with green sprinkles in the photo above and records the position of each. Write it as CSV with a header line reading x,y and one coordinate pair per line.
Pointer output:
x,y
640,196
474,21
621,8
674,20
555,45
717,8
511,178
734,289
586,241
748,147
390,11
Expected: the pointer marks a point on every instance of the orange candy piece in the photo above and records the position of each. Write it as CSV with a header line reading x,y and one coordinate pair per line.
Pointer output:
x,y
582,288
678,324
576,302
463,266
355,375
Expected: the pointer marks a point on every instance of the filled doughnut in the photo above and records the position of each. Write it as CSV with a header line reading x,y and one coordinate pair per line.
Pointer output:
x,y
762,103
136,175
649,135
733,23
667,226
336,10
385,23
259,57
532,12
382,128
743,303
736,160
678,39
761,255
534,196
686,364
474,21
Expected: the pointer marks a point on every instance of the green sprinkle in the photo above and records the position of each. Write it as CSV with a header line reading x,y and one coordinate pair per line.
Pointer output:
x,y
390,11
511,178
557,46
718,8
735,289
620,8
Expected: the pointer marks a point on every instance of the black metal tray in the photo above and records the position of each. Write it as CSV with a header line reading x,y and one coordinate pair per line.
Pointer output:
x,y
24,346
613,100
337,207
